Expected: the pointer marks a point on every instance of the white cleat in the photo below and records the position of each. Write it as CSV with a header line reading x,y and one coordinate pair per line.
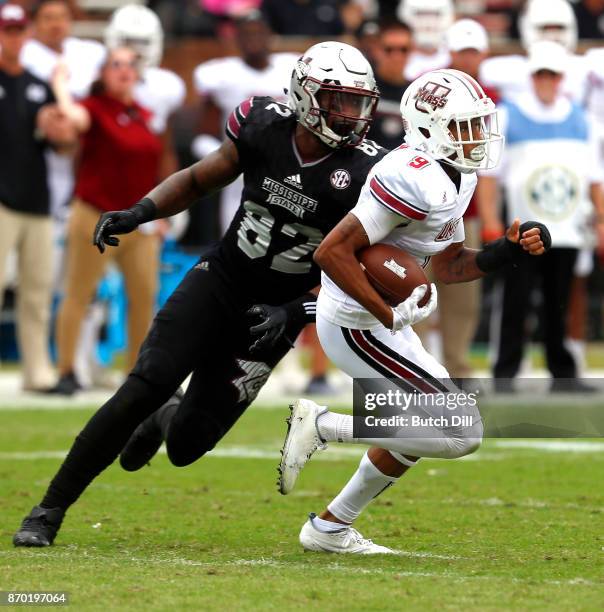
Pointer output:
x,y
344,541
301,441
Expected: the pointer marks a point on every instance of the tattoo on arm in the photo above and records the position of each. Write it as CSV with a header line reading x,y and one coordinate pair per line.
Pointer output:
x,y
457,264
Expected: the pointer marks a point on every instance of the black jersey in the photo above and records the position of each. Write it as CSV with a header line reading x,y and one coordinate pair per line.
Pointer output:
x,y
287,206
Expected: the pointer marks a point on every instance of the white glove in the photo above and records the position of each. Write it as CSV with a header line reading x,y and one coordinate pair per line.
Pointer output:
x,y
409,313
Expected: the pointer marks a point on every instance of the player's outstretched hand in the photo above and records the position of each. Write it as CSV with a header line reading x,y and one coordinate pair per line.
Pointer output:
x,y
271,327
409,312
532,236
115,222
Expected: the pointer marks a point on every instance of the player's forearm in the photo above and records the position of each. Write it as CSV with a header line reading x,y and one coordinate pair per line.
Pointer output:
x,y
344,270
460,268
174,194
183,188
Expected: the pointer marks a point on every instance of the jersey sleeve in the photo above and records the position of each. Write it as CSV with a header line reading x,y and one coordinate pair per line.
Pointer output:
x,y
207,78
396,184
377,221
236,126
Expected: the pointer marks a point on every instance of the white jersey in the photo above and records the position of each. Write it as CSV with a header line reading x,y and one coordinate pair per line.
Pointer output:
x,y
410,202
594,96
160,91
548,165
510,76
83,58
228,81
420,63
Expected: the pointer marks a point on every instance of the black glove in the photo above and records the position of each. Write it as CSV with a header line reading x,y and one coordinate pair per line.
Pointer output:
x,y
275,319
502,252
121,222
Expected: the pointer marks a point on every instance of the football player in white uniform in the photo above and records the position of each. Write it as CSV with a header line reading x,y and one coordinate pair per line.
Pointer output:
x,y
414,199
542,20
429,21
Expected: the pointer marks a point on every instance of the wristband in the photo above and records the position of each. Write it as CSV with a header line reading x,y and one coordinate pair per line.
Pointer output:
x,y
502,252
302,310
144,210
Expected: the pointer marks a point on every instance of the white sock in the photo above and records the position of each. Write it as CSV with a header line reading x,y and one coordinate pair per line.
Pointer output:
x,y
366,484
335,427
327,526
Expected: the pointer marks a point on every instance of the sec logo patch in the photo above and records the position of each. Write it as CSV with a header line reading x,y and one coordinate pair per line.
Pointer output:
x,y
340,179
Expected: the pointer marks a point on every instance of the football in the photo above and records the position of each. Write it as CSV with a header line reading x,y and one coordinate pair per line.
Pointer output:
x,y
393,273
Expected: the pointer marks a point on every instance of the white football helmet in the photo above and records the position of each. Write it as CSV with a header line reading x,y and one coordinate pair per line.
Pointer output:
x,y
429,20
333,93
443,110
549,20
137,27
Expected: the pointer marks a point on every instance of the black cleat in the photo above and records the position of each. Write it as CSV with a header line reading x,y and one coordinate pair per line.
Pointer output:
x,y
40,527
67,385
147,438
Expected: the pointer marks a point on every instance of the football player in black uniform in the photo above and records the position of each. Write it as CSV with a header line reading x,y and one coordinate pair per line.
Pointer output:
x,y
303,166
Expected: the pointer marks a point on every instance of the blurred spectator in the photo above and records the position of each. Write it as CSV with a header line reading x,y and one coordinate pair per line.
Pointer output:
x,y
368,40
542,20
320,18
550,174
159,90
459,304
590,19
391,56
120,162
429,20
25,223
51,41
162,92
509,75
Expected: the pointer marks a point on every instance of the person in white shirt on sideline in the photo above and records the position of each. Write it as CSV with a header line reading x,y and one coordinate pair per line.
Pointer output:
x,y
550,171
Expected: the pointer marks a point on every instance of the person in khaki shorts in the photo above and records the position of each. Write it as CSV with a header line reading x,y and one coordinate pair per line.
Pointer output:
x,y
25,222
119,163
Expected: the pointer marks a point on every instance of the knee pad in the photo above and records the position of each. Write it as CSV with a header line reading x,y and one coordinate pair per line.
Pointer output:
x,y
156,366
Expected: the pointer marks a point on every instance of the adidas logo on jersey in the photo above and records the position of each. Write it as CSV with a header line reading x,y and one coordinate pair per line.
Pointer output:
x,y
294,180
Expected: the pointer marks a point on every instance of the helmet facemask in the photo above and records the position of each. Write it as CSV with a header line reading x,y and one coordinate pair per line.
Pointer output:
x,y
479,133
339,116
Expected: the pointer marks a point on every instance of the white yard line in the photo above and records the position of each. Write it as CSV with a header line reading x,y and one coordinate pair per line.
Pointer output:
x,y
336,452
80,555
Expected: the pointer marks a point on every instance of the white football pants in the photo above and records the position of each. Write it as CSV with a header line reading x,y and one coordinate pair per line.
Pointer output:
x,y
377,353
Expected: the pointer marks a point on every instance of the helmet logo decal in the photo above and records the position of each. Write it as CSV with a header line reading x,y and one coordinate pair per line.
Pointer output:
x,y
431,94
303,67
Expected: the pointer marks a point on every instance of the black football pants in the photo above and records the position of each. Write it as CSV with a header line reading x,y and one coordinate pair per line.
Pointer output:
x,y
202,329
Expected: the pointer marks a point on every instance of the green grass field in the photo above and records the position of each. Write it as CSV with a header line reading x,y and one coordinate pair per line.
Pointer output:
x,y
512,527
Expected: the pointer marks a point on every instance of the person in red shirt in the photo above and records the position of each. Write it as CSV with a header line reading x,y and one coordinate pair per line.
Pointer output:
x,y
119,162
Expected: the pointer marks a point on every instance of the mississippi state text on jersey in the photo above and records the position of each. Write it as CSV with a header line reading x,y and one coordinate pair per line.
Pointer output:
x,y
287,206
